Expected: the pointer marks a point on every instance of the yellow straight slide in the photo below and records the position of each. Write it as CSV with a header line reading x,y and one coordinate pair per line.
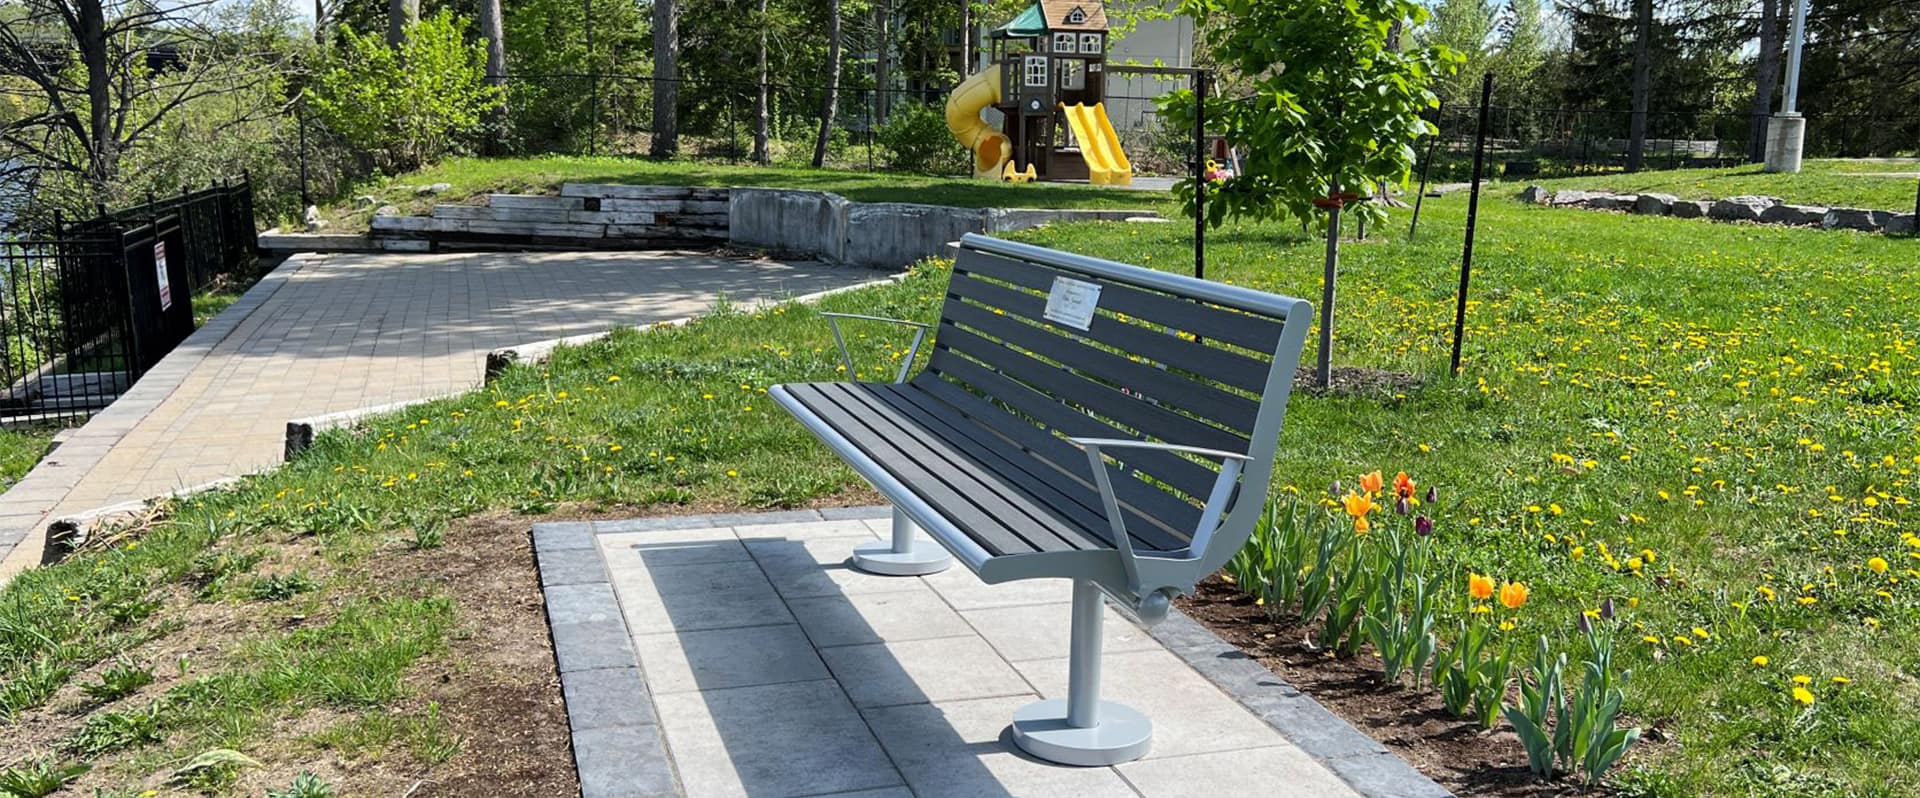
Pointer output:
x,y
1107,163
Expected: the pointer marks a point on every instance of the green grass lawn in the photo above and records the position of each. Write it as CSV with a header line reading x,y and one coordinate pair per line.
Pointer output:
x,y
20,448
1731,404
1880,183
470,177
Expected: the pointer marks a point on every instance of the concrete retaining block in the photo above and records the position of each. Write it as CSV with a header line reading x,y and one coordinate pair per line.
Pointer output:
x,y
813,223
405,245
1007,220
665,206
560,230
534,202
893,234
615,191
276,241
606,217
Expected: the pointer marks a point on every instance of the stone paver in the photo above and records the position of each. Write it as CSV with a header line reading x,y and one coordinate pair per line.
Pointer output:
x,y
779,672
329,333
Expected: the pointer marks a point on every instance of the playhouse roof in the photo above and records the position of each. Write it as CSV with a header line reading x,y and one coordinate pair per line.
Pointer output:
x,y
1060,14
1045,16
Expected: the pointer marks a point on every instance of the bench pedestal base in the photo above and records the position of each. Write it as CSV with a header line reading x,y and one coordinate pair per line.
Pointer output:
x,y
1081,729
1121,735
907,554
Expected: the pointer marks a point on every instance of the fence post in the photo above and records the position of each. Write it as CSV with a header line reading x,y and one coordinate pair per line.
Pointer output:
x,y
1473,214
1439,115
1200,173
300,124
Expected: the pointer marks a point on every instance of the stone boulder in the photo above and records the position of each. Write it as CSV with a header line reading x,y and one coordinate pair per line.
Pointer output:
x,y
1901,223
1808,215
1745,208
1613,202
436,188
1574,196
386,210
1654,204
1690,209
1536,195
1856,219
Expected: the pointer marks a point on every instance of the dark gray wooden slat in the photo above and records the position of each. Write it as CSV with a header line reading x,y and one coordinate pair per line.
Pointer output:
x,y
1152,421
1040,478
1184,475
1168,389
1258,333
952,502
1013,510
1154,516
1192,357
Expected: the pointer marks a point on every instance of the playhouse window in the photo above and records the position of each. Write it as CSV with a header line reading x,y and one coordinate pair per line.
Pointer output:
x,y
1089,42
1063,42
1077,16
1073,73
1034,70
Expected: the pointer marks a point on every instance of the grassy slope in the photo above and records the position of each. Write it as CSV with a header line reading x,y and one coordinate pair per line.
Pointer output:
x,y
470,177
1724,396
20,448
1852,183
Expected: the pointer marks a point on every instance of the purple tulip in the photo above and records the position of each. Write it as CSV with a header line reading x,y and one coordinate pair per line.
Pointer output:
x,y
1335,490
1586,624
1400,505
1606,609
1433,494
1423,526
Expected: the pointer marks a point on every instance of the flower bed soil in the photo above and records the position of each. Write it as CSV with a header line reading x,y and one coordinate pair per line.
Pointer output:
x,y
1457,753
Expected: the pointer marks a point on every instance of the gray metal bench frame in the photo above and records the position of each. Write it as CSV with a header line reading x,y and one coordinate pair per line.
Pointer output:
x,y
1082,729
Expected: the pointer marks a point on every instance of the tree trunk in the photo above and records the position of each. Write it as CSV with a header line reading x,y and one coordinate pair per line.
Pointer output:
x,y
761,113
666,78
833,85
103,144
965,67
1382,194
400,15
1766,79
1642,82
882,59
493,31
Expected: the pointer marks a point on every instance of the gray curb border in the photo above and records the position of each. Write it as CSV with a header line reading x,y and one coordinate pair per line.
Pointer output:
x,y
619,752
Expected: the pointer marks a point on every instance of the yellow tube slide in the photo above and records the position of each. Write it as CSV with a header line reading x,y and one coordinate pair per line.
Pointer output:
x,y
1107,163
991,149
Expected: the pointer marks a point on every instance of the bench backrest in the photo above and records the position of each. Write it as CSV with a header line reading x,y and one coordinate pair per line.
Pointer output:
x,y
1166,358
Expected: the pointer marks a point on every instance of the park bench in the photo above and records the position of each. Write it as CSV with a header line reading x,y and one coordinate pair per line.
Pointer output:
x,y
1077,419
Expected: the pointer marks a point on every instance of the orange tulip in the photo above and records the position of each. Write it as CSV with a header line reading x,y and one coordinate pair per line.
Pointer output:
x,y
1371,483
1361,525
1402,485
1512,595
1358,504
1479,587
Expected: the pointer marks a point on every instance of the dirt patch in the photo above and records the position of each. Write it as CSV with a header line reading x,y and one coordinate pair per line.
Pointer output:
x,y
1458,754
1356,381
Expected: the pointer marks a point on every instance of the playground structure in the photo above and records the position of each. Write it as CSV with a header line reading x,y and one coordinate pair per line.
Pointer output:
x,y
1045,79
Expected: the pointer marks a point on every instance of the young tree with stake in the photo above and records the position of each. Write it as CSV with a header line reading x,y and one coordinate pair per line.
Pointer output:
x,y
1332,110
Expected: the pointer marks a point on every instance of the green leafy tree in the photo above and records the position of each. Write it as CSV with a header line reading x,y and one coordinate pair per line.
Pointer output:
x,y
407,105
1326,110
1331,107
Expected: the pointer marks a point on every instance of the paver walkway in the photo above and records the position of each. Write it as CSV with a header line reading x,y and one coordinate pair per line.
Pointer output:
x,y
768,667
327,333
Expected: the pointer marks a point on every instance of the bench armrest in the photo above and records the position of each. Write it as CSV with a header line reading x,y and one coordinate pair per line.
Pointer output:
x,y
1230,466
846,358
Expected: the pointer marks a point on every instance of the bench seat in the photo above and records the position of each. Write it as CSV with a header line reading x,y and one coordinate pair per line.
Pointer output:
x,y
1006,498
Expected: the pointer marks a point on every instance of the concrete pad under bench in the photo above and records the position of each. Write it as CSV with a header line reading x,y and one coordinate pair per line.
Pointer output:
x,y
740,655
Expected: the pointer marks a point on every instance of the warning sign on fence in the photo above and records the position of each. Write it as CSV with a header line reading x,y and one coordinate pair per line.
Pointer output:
x,y
160,270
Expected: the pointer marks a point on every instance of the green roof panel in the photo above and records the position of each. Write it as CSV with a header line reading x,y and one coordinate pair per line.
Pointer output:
x,y
1030,23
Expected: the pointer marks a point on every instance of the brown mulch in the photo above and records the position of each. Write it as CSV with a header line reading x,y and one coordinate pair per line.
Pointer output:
x,y
1356,381
1412,723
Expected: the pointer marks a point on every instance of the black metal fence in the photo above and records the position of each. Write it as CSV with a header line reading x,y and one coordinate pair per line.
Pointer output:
x,y
87,308
1561,142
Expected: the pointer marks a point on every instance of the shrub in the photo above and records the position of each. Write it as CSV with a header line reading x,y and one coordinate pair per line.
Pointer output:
x,y
410,105
917,140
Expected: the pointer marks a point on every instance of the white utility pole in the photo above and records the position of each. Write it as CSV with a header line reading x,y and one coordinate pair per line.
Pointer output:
x,y
1787,130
